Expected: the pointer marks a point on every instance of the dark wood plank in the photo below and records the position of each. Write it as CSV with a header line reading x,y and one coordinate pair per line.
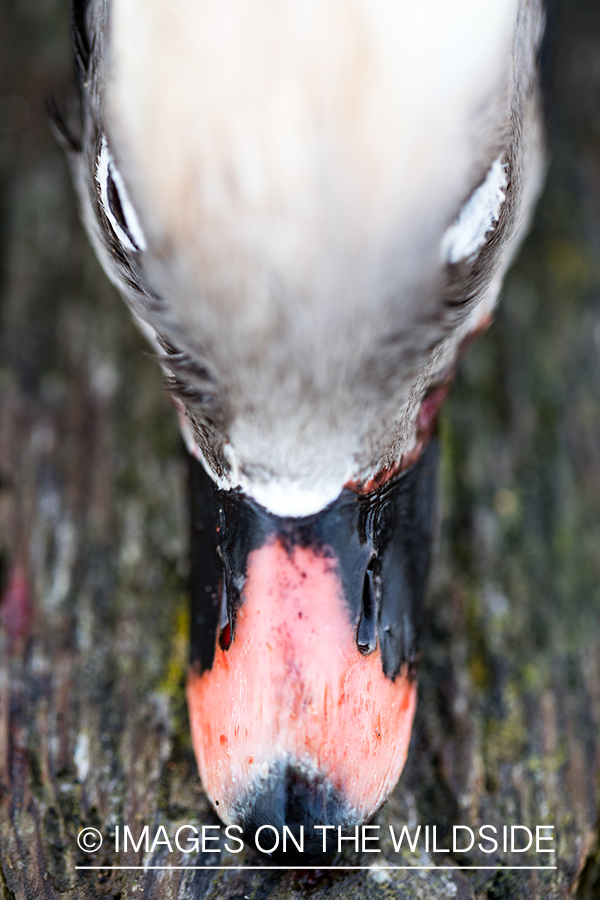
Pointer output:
x,y
93,543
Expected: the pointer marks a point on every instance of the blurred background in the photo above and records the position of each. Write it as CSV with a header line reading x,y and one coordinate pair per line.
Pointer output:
x,y
93,541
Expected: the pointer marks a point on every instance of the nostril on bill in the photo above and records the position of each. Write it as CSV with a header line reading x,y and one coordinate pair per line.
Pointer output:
x,y
292,804
366,634
225,632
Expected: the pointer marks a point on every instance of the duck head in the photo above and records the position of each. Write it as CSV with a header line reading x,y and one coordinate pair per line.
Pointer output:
x,y
309,208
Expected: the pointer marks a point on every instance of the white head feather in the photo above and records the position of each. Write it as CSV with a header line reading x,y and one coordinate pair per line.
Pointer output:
x,y
295,165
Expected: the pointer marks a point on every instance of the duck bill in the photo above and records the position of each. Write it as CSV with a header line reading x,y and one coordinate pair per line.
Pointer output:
x,y
304,641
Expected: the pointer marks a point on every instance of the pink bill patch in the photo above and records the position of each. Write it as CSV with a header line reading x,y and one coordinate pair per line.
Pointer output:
x,y
292,686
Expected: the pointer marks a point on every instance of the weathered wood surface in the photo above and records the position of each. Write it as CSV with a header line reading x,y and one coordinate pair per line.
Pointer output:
x,y
93,728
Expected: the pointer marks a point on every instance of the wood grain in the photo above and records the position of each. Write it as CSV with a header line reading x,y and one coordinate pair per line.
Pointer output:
x,y
93,543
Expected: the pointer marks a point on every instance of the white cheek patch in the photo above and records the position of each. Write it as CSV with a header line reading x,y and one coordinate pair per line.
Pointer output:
x,y
108,176
478,217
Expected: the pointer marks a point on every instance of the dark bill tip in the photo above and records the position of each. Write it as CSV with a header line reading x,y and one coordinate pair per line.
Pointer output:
x,y
292,805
